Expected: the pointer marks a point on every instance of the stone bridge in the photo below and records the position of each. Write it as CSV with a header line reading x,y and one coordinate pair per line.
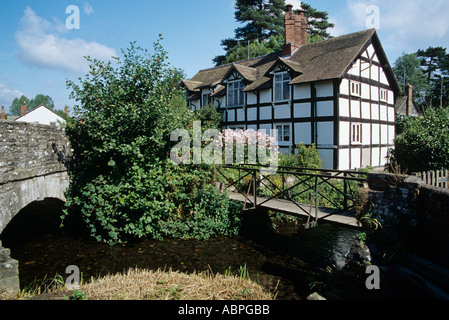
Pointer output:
x,y
32,174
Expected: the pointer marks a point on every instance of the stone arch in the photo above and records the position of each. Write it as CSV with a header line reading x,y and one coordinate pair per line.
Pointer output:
x,y
15,196
37,218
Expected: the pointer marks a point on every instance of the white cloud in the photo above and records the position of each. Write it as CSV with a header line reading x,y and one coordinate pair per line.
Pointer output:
x,y
42,45
7,95
407,24
88,9
295,3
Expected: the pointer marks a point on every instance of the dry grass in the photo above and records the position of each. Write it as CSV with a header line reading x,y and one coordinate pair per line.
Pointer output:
x,y
142,284
138,284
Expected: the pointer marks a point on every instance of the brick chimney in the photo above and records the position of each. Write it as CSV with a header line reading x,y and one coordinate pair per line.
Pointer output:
x,y
409,103
295,30
23,109
66,110
3,114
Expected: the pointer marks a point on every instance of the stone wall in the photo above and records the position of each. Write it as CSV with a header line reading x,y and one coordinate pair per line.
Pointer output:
x,y
9,270
30,150
413,210
32,168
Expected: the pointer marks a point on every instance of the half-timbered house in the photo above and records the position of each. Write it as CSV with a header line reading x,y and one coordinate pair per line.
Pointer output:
x,y
338,94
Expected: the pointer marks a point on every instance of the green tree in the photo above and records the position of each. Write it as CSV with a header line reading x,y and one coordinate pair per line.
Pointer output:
x,y
264,29
254,49
41,99
17,103
422,143
123,183
408,71
435,63
318,24
263,18
37,101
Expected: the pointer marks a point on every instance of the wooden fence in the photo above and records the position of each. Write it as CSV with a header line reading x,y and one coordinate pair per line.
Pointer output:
x,y
436,178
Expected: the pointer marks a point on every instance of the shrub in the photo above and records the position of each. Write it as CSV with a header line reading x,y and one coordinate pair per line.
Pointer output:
x,y
303,157
422,143
122,181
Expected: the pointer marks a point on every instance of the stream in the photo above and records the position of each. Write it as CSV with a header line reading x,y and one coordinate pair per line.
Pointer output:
x,y
288,260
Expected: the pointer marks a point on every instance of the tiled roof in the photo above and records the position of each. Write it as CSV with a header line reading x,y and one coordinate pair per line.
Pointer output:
x,y
324,60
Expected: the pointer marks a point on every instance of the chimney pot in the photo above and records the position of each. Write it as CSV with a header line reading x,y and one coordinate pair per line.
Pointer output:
x,y
23,109
2,114
295,30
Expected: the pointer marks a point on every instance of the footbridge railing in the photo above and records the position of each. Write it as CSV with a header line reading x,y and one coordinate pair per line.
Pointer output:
x,y
315,193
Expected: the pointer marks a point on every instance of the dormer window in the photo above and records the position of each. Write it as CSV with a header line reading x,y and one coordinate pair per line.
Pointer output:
x,y
281,86
236,96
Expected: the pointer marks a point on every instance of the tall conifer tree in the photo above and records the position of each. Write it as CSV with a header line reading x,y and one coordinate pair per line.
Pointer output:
x,y
264,20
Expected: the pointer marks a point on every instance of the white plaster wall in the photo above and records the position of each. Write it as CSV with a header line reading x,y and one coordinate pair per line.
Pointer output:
x,y
375,139
325,108
282,111
366,133
344,107
240,114
366,110
375,111
231,115
265,96
251,98
343,159
301,110
327,158
303,133
383,134
265,113
344,86
325,132
391,134
355,158
301,91
251,114
375,157
344,133
324,89
355,109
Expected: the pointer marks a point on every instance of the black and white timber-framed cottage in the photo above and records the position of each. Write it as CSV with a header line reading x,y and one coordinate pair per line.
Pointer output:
x,y
338,94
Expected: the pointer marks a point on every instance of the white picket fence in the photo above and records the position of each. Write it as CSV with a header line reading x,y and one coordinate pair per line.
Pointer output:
x,y
437,178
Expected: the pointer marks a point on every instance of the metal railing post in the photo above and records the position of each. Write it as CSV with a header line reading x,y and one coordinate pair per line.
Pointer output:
x,y
316,198
255,188
345,191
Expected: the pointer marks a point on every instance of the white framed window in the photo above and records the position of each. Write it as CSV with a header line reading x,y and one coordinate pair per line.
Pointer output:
x,y
281,86
383,95
284,133
236,96
356,88
356,133
237,128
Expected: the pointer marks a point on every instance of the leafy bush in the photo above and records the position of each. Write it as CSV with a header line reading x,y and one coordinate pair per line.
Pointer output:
x,y
122,181
422,143
303,157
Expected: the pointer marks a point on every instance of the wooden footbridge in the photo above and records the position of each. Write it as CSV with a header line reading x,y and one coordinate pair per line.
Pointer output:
x,y
315,194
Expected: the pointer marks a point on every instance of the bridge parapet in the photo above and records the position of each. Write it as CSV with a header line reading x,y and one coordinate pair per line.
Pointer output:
x,y
29,150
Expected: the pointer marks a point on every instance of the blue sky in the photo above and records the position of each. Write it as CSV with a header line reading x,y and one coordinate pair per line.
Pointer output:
x,y
38,52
